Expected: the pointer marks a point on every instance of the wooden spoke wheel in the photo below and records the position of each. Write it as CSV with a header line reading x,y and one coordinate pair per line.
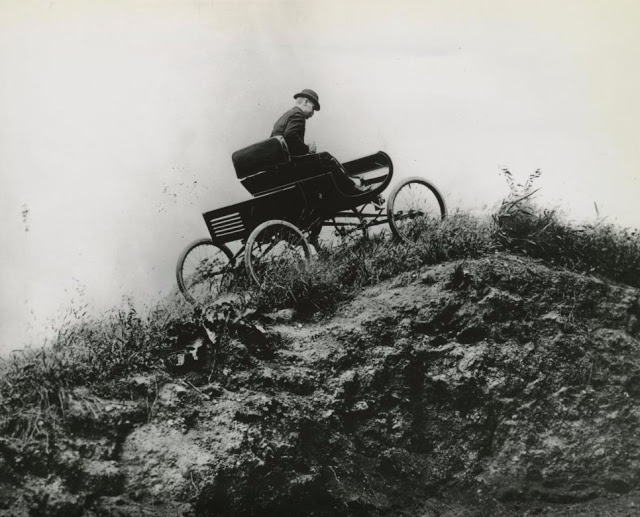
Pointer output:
x,y
414,206
201,269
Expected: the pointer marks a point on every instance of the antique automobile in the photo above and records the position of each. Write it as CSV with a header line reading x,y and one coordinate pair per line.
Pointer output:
x,y
295,200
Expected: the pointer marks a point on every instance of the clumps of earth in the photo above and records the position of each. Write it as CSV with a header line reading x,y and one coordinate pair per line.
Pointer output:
x,y
495,386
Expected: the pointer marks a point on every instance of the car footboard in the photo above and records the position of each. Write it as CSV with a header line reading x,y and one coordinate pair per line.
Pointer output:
x,y
376,169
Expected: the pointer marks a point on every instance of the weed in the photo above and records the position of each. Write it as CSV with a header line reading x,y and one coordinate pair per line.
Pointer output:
x,y
599,248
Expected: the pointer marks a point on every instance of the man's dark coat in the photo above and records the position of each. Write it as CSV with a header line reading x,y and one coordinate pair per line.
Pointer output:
x,y
291,126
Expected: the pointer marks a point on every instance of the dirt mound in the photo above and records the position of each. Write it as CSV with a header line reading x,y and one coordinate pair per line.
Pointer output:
x,y
485,387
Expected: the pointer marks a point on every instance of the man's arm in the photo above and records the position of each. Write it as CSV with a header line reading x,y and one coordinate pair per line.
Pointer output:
x,y
294,135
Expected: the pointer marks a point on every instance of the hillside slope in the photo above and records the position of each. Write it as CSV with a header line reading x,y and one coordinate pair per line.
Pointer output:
x,y
494,386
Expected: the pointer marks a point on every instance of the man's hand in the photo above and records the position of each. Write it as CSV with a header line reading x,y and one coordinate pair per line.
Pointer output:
x,y
312,147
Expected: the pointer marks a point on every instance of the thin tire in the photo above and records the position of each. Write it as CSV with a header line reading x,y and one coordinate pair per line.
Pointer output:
x,y
413,204
272,246
200,269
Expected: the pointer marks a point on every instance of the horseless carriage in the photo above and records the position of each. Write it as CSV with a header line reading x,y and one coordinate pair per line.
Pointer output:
x,y
294,200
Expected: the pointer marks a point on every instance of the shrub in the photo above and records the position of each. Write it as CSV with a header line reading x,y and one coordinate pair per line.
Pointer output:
x,y
339,272
599,248
35,383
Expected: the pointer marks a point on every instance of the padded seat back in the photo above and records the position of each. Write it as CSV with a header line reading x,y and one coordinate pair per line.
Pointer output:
x,y
260,157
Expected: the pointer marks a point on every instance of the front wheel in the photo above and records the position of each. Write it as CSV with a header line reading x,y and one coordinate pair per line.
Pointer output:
x,y
201,269
273,248
414,206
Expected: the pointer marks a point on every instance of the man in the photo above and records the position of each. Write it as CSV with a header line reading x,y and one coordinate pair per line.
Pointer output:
x,y
291,125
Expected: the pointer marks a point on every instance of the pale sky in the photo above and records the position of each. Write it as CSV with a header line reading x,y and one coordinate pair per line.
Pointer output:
x,y
118,120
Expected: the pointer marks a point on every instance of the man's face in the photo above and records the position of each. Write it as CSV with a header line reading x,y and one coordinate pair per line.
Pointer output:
x,y
307,108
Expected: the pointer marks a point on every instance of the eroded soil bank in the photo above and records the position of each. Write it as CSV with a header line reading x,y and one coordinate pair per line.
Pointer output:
x,y
496,386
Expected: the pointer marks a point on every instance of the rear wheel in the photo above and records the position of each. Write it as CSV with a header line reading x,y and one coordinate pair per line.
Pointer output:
x,y
414,206
201,269
274,248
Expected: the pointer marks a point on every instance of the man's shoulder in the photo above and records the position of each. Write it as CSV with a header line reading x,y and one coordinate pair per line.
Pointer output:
x,y
291,121
294,112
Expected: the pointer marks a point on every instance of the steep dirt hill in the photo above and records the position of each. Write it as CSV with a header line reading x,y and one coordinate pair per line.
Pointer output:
x,y
496,386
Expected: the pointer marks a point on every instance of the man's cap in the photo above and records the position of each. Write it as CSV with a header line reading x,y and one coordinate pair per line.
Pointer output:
x,y
311,95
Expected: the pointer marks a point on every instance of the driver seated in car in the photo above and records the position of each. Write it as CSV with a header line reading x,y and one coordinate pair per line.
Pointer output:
x,y
291,126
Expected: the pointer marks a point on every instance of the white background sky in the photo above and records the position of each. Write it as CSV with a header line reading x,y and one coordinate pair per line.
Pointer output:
x,y
118,119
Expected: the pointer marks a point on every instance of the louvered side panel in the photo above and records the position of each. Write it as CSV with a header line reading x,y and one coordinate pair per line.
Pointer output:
x,y
226,227
229,223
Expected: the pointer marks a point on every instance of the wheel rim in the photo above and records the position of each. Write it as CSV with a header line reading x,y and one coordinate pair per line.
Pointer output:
x,y
201,272
274,250
415,208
